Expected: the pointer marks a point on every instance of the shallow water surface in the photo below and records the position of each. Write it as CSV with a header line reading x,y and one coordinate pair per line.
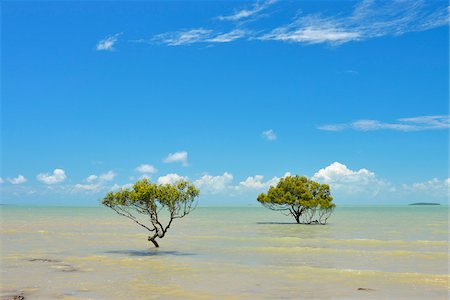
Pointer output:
x,y
226,253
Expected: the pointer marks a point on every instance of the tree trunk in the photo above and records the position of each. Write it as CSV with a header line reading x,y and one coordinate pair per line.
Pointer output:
x,y
152,239
297,218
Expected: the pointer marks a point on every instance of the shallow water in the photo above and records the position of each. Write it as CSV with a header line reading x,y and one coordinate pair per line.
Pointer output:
x,y
226,253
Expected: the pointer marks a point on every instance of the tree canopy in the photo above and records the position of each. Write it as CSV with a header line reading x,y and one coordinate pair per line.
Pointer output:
x,y
147,198
306,200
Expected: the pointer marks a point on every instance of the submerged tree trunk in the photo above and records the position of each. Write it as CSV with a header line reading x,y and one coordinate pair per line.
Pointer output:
x,y
297,213
153,240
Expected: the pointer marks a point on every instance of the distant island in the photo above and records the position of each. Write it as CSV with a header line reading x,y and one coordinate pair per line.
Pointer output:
x,y
424,203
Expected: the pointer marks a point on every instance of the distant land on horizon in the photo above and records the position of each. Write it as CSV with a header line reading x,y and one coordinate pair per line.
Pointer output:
x,y
424,203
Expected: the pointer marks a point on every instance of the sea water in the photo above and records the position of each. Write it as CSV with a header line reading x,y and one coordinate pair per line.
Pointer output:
x,y
226,253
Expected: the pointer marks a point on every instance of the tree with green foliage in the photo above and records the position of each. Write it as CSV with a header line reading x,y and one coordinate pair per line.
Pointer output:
x,y
307,201
150,199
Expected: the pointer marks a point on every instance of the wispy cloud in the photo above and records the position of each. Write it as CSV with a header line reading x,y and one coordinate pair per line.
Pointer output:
x,y
185,37
107,43
313,30
269,135
369,19
181,156
249,12
229,36
403,124
349,72
366,20
198,35
146,168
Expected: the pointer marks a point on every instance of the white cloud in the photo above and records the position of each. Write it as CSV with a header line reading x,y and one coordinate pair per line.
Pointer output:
x,y
146,168
404,124
254,182
246,13
108,176
368,19
347,181
433,187
93,187
181,157
257,182
17,180
223,184
171,178
58,176
228,37
95,183
348,72
214,184
107,44
429,122
1,180
116,186
311,35
269,135
186,37
91,178
198,35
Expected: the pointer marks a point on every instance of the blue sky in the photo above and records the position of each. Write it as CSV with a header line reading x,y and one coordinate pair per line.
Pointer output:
x,y
232,95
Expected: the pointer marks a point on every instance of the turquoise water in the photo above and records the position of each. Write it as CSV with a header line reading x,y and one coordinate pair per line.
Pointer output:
x,y
226,253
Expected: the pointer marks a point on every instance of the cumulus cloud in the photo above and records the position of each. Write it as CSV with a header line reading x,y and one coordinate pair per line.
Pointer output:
x,y
257,182
95,183
1,180
116,186
214,184
91,178
91,187
108,176
58,176
107,43
171,178
403,124
254,182
223,184
17,180
181,157
146,168
269,135
434,187
344,180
